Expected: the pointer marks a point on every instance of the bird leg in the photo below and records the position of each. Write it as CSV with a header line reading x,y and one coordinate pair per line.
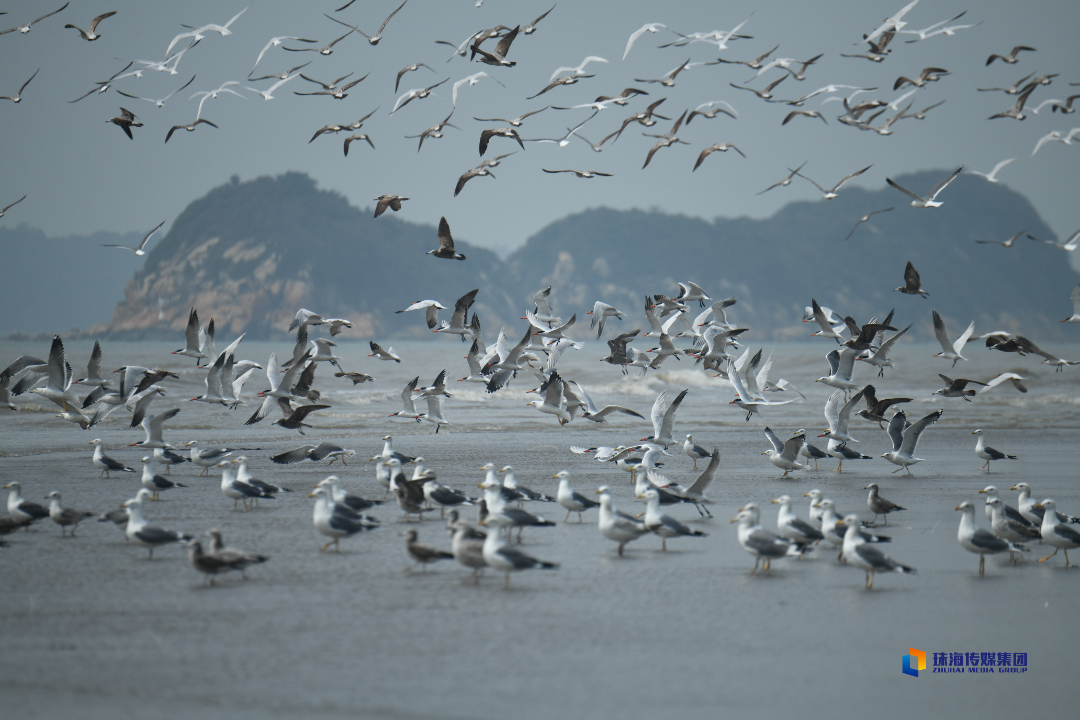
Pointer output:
x,y
840,466
870,580
1049,556
982,564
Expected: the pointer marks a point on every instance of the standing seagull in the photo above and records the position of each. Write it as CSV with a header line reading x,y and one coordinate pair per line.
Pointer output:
x,y
912,283
861,554
140,250
91,35
979,541
988,453
879,505
930,201
446,243
951,350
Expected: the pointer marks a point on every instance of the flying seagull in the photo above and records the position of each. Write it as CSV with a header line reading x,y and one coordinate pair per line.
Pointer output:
x,y
446,244
141,249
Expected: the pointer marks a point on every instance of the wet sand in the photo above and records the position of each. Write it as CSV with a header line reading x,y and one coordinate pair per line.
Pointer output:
x,y
92,629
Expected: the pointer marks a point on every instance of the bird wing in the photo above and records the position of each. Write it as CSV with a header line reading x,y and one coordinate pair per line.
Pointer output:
x,y
832,410
660,406
944,183
962,340
446,241
904,190
939,331
911,435
407,395
698,487
669,414
775,441
896,429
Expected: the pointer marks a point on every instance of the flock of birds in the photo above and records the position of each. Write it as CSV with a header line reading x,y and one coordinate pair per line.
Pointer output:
x,y
710,341
706,337
495,48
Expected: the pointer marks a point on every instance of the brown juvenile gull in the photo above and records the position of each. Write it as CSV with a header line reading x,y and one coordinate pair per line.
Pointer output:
x,y
912,283
65,517
446,243
879,505
91,34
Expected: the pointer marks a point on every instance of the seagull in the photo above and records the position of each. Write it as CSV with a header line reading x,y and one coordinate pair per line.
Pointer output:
x,y
1010,59
569,499
91,34
140,250
423,554
761,543
1004,243
361,136
930,200
531,27
409,68
332,523
389,201
576,70
4,210
197,34
160,102
23,510
1007,527
446,243
1075,298
1062,537
617,526
832,193
647,27
930,74
472,80
904,440
951,350
863,555
663,418
713,111
141,532
587,174
500,557
480,171
866,218
486,136
793,528
152,425
1017,110
842,365
659,523
499,56
17,97
155,483
988,453
1069,244
274,42
104,462
912,283
435,131
766,94
875,409
189,127
516,122
807,113
26,28
956,388
786,181
338,93
325,50
783,454
990,176
295,419
373,39
879,505
715,147
666,140
125,121
280,390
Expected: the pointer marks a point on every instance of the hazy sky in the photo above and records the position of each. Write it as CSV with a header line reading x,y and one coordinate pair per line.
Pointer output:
x,y
82,173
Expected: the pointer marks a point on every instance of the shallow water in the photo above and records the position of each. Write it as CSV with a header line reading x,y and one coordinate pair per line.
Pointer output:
x,y
92,627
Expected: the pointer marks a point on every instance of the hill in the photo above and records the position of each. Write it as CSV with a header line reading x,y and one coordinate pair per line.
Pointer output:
x,y
775,266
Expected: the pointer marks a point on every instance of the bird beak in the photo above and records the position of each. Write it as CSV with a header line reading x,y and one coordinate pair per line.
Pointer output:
x,y
957,508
